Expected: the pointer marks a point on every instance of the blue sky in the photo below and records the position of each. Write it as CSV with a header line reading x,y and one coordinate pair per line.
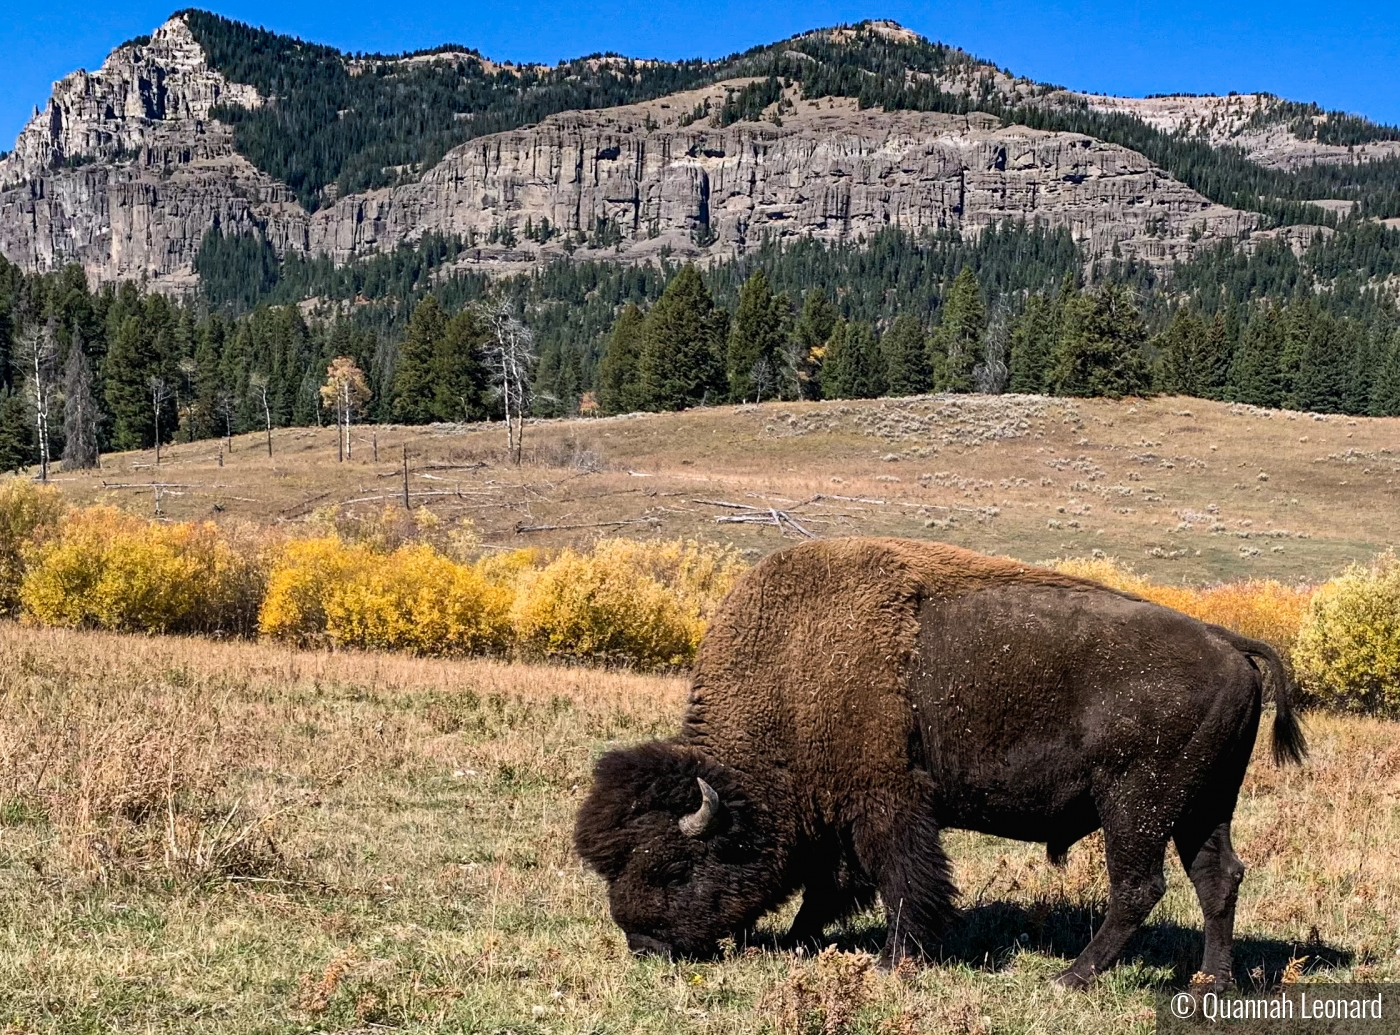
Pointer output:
x,y
1343,54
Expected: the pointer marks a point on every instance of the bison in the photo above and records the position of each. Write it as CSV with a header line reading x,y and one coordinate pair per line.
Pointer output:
x,y
853,697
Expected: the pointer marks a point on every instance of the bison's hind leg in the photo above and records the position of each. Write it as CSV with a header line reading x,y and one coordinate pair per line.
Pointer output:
x,y
1216,871
899,846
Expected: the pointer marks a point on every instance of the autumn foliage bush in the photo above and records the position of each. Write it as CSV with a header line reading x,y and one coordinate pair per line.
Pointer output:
x,y
607,606
1348,651
413,598
105,569
29,513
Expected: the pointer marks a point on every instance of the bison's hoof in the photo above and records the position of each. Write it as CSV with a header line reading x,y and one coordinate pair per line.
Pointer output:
x,y
1072,978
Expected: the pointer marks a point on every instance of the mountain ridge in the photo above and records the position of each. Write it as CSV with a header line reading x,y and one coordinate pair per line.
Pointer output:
x,y
127,169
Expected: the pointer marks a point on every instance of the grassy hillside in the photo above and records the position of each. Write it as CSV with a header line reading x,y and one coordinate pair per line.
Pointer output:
x,y
1183,490
238,838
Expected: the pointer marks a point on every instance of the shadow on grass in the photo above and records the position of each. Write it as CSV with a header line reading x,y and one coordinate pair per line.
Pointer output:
x,y
987,936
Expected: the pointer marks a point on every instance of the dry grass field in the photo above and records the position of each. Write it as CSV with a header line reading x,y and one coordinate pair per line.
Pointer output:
x,y
230,837
1183,490
202,836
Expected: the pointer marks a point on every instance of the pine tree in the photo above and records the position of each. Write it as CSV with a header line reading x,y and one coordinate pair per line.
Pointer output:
x,y
683,339
414,376
16,433
126,375
80,413
1099,351
1033,337
1385,388
619,373
810,335
1255,377
209,387
871,380
1321,380
760,329
956,346
854,367
818,318
1215,363
1179,349
1297,326
905,354
1367,355
838,364
460,379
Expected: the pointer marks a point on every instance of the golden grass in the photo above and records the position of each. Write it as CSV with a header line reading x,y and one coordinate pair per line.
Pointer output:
x,y
408,862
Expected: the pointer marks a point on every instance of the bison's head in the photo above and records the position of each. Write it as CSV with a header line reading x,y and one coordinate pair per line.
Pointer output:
x,y
689,858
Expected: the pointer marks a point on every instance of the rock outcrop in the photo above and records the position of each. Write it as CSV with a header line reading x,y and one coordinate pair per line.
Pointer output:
x,y
830,171
125,171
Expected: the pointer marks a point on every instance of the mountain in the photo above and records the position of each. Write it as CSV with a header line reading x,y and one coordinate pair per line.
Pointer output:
x,y
209,130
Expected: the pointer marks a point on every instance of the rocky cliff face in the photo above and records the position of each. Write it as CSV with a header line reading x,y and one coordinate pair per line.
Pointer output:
x,y
1225,122
125,171
829,171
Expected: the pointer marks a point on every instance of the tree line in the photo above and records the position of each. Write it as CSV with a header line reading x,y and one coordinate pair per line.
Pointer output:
x,y
1073,341
85,370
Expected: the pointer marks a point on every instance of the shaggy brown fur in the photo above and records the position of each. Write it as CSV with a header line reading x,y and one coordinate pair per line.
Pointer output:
x,y
854,696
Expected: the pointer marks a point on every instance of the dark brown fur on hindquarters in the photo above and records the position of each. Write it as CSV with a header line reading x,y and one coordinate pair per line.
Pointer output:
x,y
854,697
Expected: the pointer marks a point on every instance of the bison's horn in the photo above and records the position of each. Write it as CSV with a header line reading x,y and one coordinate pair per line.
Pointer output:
x,y
700,822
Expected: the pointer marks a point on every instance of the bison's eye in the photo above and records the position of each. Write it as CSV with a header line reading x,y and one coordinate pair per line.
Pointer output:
x,y
670,874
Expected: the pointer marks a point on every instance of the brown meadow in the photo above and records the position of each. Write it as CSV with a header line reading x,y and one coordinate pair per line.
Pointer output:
x,y
1184,490
240,837
201,835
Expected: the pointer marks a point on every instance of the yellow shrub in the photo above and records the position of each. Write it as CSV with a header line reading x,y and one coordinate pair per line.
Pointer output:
x,y
28,514
1262,609
505,567
1348,652
602,608
417,600
413,599
303,577
700,574
108,570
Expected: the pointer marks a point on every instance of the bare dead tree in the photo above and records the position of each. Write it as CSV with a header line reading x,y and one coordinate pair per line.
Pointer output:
x,y
794,371
510,356
762,376
80,413
257,385
993,374
38,348
224,401
160,395
185,406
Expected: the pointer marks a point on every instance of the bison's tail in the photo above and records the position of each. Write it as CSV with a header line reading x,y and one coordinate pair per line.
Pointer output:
x,y
1289,743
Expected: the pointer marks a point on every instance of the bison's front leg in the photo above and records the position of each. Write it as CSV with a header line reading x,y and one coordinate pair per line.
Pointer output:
x,y
828,898
897,843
